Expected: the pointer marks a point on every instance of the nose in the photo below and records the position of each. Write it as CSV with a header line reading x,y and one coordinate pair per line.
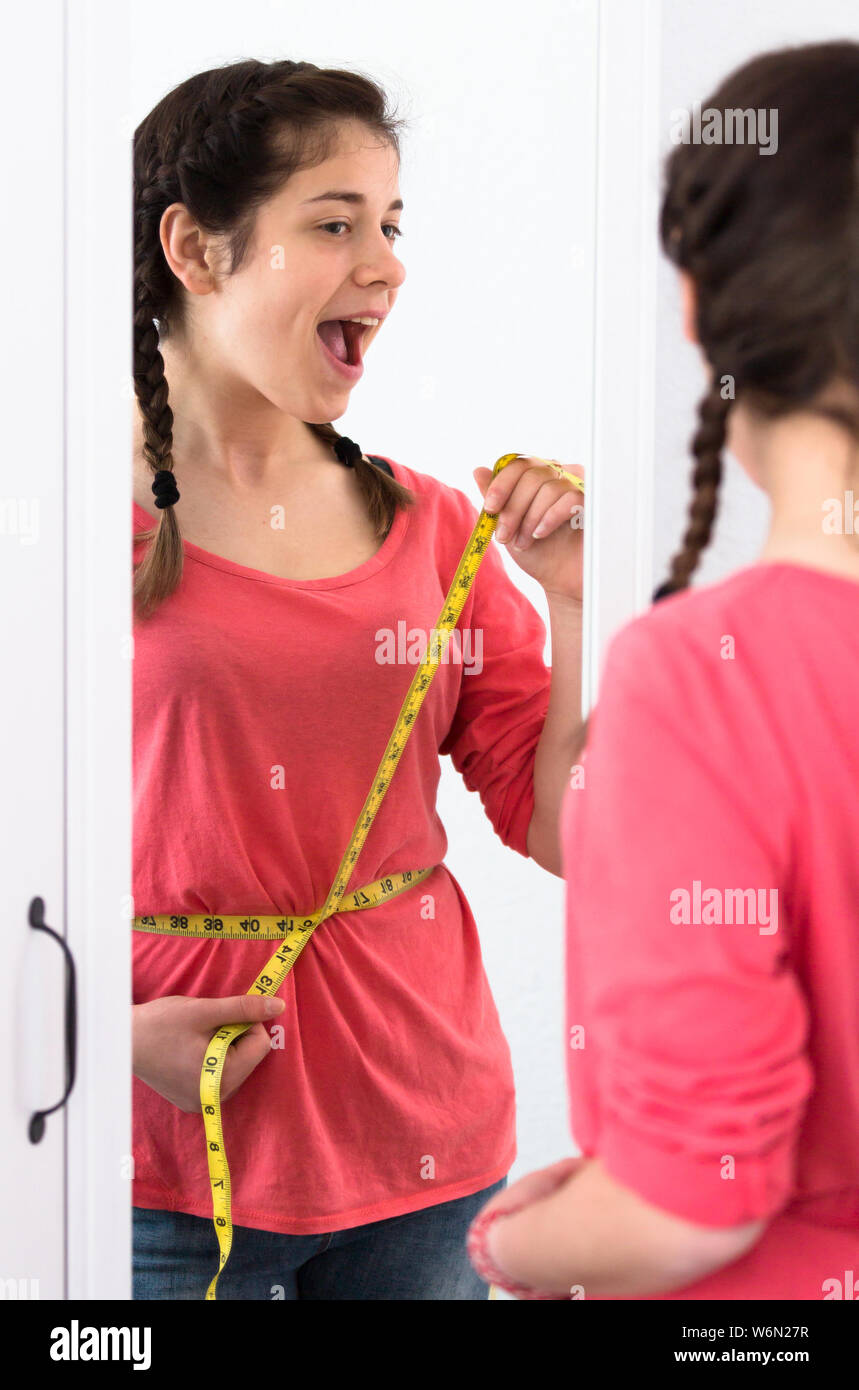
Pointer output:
x,y
384,266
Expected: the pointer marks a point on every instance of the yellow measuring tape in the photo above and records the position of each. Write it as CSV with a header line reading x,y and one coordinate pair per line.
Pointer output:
x,y
293,931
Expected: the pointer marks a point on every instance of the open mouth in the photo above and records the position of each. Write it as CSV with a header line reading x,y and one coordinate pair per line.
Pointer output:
x,y
343,339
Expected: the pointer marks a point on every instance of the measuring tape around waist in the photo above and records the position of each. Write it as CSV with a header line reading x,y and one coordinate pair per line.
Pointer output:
x,y
293,931
290,928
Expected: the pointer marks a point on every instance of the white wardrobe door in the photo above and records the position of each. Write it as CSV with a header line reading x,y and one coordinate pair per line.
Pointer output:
x,y
66,652
99,125
32,697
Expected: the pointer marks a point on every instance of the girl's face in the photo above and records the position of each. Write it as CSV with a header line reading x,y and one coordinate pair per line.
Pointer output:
x,y
313,258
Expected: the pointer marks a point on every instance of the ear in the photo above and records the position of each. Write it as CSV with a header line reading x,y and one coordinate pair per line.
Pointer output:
x,y
689,303
186,249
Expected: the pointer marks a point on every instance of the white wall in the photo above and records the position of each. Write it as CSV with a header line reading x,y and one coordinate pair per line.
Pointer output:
x,y
497,180
702,43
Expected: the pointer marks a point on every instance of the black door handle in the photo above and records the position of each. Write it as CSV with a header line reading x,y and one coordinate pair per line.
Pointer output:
x,y
37,921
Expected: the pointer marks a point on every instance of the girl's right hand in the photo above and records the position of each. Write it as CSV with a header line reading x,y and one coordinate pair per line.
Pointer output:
x,y
170,1037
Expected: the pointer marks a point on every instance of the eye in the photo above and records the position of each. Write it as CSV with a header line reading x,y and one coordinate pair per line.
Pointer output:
x,y
389,226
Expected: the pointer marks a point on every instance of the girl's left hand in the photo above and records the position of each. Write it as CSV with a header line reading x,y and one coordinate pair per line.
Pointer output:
x,y
528,496
534,1186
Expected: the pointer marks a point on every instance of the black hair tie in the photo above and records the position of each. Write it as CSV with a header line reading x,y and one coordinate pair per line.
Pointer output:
x,y
348,452
165,489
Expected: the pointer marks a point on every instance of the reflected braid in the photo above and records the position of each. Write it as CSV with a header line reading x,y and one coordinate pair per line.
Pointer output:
x,y
706,446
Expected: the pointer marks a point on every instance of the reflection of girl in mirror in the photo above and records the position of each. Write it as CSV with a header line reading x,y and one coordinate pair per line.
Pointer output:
x,y
711,856
382,1117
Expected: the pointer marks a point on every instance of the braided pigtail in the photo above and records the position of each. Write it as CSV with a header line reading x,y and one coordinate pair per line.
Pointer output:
x,y
707,445
160,570
381,493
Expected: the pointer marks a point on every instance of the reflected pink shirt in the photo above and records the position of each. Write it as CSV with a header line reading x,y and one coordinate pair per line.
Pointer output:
x,y
261,712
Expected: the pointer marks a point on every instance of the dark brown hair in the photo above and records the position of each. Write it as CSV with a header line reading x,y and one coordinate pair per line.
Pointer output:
x,y
771,242
222,143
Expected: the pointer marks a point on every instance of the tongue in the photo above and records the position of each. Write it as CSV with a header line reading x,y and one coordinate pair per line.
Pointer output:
x,y
331,333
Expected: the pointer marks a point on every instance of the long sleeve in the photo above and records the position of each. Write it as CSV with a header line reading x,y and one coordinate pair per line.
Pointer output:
x,y
503,701
688,1072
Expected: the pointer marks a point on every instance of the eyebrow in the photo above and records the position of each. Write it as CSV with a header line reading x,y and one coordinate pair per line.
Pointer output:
x,y
337,195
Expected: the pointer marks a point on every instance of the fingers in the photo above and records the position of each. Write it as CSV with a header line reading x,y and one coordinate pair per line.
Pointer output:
x,y
547,512
244,1055
503,484
483,477
238,1008
559,1172
527,495
534,1187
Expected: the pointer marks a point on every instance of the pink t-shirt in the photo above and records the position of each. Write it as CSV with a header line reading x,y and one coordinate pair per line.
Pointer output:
x,y
262,707
713,1059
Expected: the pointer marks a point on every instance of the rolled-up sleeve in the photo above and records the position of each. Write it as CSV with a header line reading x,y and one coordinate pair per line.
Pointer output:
x,y
493,737
687,1064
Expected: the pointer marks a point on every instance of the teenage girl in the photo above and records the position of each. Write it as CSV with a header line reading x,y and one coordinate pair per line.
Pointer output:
x,y
275,564
711,849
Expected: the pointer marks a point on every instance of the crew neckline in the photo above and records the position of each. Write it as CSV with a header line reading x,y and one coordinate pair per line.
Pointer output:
x,y
366,570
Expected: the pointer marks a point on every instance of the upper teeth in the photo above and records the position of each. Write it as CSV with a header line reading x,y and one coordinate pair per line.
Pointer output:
x,y
371,323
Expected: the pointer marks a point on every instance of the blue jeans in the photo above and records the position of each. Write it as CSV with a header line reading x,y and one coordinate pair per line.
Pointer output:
x,y
418,1255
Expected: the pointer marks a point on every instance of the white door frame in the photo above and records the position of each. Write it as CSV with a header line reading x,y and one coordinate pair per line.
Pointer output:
x,y
619,530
